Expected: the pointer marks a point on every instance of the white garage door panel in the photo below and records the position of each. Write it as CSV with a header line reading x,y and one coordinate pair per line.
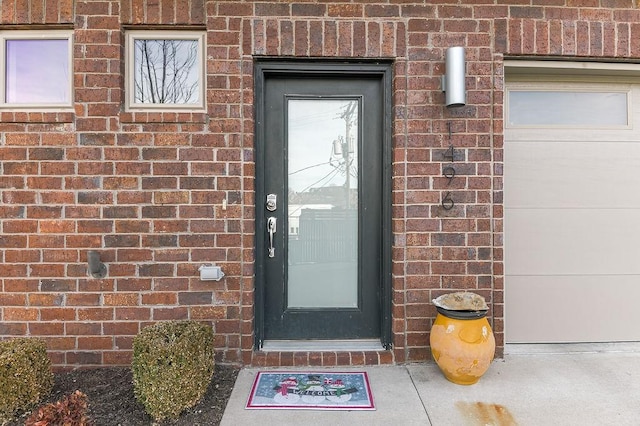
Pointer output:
x,y
572,221
572,174
599,310
574,241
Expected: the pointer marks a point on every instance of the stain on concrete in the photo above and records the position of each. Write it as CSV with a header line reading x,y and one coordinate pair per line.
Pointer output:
x,y
484,414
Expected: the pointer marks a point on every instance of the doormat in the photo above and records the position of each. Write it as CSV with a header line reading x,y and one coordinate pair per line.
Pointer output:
x,y
311,391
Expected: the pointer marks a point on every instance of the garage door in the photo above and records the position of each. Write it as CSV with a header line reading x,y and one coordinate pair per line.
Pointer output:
x,y
572,209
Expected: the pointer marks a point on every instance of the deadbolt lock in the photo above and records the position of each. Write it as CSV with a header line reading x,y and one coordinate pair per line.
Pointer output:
x,y
272,202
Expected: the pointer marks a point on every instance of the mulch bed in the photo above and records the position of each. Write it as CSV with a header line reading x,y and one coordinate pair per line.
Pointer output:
x,y
111,401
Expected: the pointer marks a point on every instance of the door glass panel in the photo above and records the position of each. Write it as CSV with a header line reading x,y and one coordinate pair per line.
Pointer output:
x,y
322,161
567,108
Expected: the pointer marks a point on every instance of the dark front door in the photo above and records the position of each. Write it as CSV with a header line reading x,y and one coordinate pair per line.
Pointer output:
x,y
321,216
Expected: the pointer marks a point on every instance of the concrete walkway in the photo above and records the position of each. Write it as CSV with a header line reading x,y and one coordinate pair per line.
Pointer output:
x,y
534,385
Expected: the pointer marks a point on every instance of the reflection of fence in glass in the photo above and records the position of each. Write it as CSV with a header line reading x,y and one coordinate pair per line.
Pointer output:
x,y
325,236
166,71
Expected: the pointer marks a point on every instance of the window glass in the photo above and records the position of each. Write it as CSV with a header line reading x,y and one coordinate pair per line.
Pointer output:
x,y
567,108
165,70
322,164
36,71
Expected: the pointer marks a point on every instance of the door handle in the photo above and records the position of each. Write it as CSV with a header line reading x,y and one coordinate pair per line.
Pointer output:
x,y
271,229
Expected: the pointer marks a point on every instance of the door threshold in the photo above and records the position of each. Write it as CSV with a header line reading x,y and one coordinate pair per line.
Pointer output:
x,y
322,345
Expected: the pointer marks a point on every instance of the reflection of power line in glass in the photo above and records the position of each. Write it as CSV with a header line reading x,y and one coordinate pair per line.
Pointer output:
x,y
325,180
310,167
305,120
326,177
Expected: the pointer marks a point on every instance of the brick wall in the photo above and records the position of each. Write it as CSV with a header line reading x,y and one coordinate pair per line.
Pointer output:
x,y
147,189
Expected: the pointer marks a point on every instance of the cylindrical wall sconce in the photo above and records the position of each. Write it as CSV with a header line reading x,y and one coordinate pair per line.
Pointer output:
x,y
97,269
453,82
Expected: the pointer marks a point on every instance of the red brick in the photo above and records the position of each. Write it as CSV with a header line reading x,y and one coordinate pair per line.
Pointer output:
x,y
124,342
20,226
12,329
157,270
95,343
45,299
65,10
20,314
57,314
329,359
132,313
345,10
120,299
21,284
119,357
46,328
301,359
121,328
121,212
95,314
418,354
357,358
174,313
94,226
164,298
9,154
208,312
23,139
133,284
47,270
84,358
82,328
83,299
60,343
13,299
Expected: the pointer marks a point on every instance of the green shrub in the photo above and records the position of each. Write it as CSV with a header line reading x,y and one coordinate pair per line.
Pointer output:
x,y
25,375
172,366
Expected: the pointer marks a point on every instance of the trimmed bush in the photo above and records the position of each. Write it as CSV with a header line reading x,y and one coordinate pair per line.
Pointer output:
x,y
172,366
25,375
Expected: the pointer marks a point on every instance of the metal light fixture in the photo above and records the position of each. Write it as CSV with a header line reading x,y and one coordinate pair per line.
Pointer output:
x,y
453,82
97,269
210,272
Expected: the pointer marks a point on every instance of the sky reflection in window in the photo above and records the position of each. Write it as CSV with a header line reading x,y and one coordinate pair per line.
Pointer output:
x,y
37,72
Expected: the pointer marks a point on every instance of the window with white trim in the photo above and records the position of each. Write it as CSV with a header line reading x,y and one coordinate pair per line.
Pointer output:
x,y
567,104
36,69
165,70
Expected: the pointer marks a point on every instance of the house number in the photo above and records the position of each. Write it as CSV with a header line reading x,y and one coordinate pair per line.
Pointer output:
x,y
447,201
449,172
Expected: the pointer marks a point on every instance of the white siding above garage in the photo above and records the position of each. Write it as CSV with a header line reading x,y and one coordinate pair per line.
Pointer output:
x,y
572,211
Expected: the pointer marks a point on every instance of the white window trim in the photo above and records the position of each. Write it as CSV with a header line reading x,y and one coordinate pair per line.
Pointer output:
x,y
571,68
35,35
531,74
131,37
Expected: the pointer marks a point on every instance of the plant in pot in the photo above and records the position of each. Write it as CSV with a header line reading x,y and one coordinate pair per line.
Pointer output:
x,y
462,342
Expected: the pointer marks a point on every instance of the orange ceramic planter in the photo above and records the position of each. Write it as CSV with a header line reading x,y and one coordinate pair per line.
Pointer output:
x,y
462,348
